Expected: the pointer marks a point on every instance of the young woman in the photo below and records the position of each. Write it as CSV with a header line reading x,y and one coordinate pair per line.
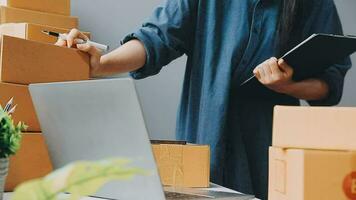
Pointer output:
x,y
226,41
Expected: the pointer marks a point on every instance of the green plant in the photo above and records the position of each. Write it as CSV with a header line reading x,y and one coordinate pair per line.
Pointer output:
x,y
10,135
79,179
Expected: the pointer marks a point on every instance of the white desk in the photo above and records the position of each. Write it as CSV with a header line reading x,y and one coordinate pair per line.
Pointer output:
x,y
7,196
214,187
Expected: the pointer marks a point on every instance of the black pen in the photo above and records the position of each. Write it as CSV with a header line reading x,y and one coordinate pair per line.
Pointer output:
x,y
78,41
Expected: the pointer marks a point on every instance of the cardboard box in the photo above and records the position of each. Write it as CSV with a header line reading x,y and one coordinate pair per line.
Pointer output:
x,y
25,110
329,128
32,161
183,165
16,15
296,174
61,7
25,62
32,32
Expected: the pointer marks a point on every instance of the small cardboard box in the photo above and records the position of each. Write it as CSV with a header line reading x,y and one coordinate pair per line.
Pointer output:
x,y
328,128
183,165
61,7
31,161
25,111
32,32
16,15
25,62
296,174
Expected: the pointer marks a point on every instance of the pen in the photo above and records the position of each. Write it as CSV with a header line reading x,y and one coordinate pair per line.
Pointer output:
x,y
254,76
248,80
78,41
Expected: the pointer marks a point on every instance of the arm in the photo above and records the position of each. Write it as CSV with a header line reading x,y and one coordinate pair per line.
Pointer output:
x,y
310,90
165,36
129,57
325,89
277,75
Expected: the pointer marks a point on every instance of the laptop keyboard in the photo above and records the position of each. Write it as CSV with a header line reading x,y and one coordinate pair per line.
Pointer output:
x,y
181,196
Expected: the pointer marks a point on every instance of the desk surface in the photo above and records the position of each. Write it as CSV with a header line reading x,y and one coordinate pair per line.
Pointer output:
x,y
215,192
214,187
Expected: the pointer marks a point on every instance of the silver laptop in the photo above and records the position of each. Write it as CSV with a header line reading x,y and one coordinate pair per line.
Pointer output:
x,y
94,120
98,119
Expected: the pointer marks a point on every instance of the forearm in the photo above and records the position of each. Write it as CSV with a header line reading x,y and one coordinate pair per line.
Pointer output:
x,y
310,89
129,57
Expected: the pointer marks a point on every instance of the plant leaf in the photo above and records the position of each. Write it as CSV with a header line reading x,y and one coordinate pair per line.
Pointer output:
x,y
79,179
10,135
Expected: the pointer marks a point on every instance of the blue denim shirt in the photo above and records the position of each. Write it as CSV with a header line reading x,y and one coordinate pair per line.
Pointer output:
x,y
224,41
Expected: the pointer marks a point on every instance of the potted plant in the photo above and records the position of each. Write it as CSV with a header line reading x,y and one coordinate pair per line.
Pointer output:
x,y
10,138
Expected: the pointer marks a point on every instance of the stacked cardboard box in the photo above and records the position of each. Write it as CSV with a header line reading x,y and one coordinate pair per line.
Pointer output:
x,y
54,13
32,31
32,161
29,56
313,154
60,7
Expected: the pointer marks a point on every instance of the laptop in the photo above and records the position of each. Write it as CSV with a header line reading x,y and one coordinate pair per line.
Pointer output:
x,y
99,119
95,120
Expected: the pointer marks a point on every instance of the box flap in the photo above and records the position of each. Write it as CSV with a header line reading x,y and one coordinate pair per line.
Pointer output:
x,y
13,29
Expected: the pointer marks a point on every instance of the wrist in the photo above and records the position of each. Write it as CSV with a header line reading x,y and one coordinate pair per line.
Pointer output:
x,y
288,88
97,66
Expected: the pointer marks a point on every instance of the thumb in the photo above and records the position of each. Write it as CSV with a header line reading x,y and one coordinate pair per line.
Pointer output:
x,y
285,67
88,48
61,43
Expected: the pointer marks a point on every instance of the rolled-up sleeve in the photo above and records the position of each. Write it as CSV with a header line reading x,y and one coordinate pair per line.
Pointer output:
x,y
334,77
166,35
325,19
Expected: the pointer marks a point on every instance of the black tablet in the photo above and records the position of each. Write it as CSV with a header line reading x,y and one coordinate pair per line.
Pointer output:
x,y
319,52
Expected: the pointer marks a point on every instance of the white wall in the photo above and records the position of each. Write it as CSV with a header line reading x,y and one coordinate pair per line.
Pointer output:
x,y
110,20
347,10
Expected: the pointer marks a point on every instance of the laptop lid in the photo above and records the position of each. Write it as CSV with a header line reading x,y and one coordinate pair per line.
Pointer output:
x,y
94,120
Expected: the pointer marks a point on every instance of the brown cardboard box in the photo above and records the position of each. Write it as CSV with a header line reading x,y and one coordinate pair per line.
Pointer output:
x,y
296,174
16,15
61,7
32,32
24,111
329,128
25,62
32,161
183,165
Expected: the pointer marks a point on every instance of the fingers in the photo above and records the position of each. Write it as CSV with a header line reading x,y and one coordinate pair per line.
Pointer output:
x,y
73,35
287,69
89,49
274,74
61,43
259,72
267,71
273,65
273,71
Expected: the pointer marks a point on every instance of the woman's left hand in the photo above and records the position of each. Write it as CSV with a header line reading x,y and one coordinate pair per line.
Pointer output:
x,y
275,74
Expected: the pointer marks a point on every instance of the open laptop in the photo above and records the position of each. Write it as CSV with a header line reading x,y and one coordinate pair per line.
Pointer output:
x,y
94,120
98,119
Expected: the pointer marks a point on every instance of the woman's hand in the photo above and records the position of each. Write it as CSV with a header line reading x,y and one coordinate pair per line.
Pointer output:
x,y
275,74
95,54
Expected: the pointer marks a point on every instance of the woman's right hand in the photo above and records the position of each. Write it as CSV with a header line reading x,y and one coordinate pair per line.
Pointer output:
x,y
95,54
